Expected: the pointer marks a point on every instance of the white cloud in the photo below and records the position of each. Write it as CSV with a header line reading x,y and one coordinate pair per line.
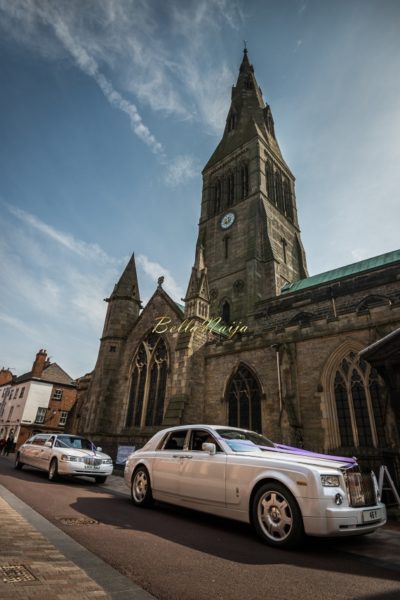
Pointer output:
x,y
181,169
83,249
132,41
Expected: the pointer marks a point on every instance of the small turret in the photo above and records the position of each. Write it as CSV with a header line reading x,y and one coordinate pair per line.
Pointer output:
x,y
197,299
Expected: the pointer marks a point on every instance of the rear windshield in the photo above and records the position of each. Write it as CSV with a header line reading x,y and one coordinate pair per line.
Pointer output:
x,y
70,441
244,441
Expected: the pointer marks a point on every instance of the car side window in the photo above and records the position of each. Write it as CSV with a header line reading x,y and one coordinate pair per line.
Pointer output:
x,y
199,437
176,440
40,440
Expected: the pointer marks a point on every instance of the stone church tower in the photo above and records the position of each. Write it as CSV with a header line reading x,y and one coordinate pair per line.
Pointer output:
x,y
248,225
296,372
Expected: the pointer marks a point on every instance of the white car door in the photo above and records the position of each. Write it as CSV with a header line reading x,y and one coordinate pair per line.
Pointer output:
x,y
202,475
33,452
166,464
45,453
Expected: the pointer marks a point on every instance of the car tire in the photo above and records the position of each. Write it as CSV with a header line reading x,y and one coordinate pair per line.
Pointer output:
x,y
141,488
276,516
18,464
53,470
101,478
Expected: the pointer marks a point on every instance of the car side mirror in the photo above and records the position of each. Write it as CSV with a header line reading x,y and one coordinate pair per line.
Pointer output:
x,y
48,444
209,447
99,449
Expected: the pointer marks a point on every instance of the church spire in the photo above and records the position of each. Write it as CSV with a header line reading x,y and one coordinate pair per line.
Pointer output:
x,y
248,116
127,286
248,223
197,299
123,304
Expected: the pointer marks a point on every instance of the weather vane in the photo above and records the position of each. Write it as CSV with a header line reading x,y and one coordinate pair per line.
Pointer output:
x,y
245,46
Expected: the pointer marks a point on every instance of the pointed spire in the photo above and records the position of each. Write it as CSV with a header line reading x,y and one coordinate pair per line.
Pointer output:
x,y
123,305
127,286
197,299
248,116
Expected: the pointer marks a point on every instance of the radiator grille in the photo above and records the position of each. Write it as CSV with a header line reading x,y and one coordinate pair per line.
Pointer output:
x,y
360,488
94,462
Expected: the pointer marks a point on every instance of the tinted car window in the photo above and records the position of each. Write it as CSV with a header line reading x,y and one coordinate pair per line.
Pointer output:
x,y
175,440
40,440
199,437
70,441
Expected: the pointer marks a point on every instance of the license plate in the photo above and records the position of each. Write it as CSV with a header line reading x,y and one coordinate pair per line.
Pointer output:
x,y
372,515
92,467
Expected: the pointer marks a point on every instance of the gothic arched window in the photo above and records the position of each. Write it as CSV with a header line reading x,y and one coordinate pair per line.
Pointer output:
x,y
360,400
232,121
148,383
287,200
226,312
230,189
279,190
269,172
244,400
244,172
217,197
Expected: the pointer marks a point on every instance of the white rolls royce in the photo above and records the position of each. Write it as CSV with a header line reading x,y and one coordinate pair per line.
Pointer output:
x,y
283,492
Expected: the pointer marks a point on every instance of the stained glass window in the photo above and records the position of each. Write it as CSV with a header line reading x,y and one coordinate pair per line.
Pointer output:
x,y
244,400
360,400
148,383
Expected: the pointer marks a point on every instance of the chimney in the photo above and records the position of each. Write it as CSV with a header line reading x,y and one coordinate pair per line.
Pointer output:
x,y
39,364
5,376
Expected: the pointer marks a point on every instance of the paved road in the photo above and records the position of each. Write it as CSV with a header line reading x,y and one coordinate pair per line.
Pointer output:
x,y
180,555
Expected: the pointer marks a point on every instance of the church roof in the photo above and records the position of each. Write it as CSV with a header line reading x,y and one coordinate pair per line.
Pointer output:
x,y
359,267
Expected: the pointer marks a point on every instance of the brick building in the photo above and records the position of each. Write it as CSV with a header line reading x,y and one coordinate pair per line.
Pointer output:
x,y
37,401
290,364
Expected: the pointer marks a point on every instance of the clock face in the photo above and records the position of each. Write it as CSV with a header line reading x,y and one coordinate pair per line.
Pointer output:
x,y
227,220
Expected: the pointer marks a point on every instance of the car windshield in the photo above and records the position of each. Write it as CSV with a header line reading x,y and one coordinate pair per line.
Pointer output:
x,y
71,441
240,440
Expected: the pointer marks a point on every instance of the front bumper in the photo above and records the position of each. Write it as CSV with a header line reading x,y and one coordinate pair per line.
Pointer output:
x,y
80,469
345,521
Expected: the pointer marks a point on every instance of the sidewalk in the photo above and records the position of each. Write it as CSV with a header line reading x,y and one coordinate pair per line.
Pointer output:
x,y
38,560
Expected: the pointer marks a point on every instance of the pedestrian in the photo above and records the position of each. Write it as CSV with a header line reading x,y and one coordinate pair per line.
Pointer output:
x,y
9,446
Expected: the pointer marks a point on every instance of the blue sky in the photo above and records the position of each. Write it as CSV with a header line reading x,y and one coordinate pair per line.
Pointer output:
x,y
110,110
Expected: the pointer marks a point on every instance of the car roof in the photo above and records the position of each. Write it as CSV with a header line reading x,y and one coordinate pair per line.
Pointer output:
x,y
204,425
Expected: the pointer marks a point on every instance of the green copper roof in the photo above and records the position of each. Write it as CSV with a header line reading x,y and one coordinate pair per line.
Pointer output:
x,y
358,267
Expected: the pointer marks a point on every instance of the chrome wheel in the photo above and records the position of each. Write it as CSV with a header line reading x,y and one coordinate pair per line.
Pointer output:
x,y
141,488
276,516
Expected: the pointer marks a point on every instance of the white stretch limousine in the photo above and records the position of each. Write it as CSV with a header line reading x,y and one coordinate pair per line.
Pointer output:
x,y
64,454
284,492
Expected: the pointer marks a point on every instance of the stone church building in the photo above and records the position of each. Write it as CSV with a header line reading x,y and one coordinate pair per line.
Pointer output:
x,y
258,344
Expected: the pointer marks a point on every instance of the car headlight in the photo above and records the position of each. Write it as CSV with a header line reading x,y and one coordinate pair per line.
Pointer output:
x,y
70,458
107,461
330,480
